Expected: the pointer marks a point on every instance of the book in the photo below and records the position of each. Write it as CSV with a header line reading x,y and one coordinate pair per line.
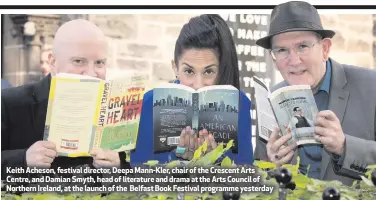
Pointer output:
x,y
85,112
292,109
176,106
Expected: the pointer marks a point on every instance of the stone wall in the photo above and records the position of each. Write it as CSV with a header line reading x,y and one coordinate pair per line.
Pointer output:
x,y
354,39
374,41
141,43
146,42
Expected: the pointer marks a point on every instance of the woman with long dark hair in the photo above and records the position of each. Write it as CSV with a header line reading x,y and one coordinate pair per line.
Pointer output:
x,y
205,55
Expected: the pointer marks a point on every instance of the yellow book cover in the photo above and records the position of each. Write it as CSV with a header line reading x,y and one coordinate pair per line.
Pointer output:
x,y
85,112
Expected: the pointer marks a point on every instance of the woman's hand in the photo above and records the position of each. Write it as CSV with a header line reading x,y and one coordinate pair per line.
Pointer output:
x,y
204,135
189,142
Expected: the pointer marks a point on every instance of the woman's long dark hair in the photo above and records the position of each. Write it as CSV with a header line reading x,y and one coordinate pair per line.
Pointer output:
x,y
211,32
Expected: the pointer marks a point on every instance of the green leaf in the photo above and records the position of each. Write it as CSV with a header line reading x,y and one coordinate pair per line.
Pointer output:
x,y
199,151
301,181
42,196
161,197
118,195
229,145
152,163
226,162
205,196
11,197
264,165
209,158
367,181
371,167
204,146
173,164
128,156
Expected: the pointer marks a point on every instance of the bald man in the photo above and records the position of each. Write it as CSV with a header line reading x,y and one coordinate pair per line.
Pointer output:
x,y
79,47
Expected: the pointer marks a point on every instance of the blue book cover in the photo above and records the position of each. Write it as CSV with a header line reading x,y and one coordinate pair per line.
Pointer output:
x,y
175,107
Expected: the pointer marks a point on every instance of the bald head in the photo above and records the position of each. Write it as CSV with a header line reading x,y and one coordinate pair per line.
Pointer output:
x,y
79,47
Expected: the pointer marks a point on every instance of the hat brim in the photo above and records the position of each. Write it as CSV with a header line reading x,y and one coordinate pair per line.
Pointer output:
x,y
265,41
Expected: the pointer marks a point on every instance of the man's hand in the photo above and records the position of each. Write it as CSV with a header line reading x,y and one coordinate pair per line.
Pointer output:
x,y
329,132
41,154
278,153
105,158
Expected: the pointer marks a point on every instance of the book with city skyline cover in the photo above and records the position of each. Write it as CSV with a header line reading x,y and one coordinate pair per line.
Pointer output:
x,y
86,112
292,109
176,106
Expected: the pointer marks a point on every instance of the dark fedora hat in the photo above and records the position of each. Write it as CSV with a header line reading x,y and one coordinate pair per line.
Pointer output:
x,y
294,16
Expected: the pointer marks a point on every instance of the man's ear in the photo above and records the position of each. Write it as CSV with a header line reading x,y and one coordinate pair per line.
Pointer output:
x,y
173,65
326,45
52,63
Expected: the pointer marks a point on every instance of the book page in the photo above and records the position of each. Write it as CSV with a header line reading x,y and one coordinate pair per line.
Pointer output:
x,y
75,76
117,127
215,87
177,86
172,112
295,109
266,120
218,113
71,114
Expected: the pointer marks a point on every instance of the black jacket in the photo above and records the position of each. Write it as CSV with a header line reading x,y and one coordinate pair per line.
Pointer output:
x,y
23,115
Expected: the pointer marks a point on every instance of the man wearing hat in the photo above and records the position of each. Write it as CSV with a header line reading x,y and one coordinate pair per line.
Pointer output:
x,y
345,96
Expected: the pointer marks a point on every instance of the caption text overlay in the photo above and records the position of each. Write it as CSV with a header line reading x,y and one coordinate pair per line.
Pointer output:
x,y
138,179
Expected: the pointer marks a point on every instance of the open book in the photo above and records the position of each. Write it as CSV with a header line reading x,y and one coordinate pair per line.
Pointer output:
x,y
175,107
292,109
86,112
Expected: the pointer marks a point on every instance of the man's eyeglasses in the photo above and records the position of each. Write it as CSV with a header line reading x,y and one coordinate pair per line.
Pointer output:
x,y
301,49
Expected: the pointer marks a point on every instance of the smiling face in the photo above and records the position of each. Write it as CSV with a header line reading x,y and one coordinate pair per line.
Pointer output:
x,y
197,68
300,57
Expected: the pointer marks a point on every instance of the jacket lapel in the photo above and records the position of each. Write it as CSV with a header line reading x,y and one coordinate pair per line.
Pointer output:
x,y
337,103
40,92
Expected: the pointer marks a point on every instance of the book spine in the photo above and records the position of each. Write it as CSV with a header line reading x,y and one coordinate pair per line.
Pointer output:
x,y
275,116
102,118
104,104
195,105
